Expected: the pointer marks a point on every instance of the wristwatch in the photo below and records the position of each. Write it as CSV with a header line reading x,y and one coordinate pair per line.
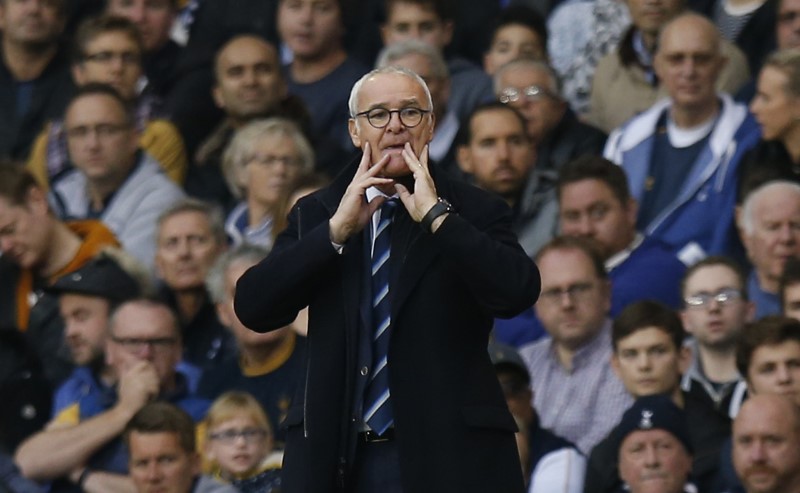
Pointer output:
x,y
441,207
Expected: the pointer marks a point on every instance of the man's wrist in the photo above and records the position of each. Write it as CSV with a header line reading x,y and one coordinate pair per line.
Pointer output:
x,y
438,222
434,215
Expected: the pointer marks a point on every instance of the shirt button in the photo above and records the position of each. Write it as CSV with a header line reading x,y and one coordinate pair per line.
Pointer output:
x,y
364,371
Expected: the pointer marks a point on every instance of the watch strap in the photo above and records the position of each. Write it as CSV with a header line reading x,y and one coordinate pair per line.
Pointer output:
x,y
437,210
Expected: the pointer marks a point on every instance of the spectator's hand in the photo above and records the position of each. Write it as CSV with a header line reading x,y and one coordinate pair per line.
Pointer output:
x,y
137,387
424,197
354,212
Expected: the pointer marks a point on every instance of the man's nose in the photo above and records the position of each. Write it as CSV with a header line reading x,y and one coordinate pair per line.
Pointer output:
x,y
395,123
783,373
585,226
651,456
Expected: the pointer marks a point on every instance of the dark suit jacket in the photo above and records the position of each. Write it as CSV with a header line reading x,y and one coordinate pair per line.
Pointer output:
x,y
454,431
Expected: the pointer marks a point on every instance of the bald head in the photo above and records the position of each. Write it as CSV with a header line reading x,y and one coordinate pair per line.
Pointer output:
x,y
690,24
688,62
766,444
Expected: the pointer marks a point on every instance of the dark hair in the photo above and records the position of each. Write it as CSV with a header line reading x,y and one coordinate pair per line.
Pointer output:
x,y
524,16
591,167
464,135
768,331
443,8
99,89
789,277
646,314
163,417
722,260
588,246
15,183
93,27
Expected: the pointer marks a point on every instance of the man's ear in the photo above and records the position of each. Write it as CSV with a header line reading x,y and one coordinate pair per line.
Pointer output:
x,y
216,93
685,320
447,27
222,315
36,201
684,359
632,211
615,364
464,159
78,74
352,128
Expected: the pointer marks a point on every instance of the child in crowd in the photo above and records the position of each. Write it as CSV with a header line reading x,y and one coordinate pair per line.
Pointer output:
x,y
239,444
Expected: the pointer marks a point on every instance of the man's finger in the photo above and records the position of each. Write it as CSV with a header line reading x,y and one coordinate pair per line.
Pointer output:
x,y
377,167
423,158
405,196
363,165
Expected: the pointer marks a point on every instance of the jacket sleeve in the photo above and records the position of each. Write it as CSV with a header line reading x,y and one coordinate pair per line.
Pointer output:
x,y
485,253
271,293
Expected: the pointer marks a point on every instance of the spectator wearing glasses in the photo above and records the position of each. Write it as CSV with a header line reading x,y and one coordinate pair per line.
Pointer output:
x,y
240,444
108,50
82,444
113,180
534,89
578,396
716,308
768,225
261,164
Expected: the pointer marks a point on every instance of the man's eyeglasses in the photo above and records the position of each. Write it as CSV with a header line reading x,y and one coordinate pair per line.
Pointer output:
x,y
102,130
722,297
379,117
103,57
531,93
575,292
250,435
270,160
136,345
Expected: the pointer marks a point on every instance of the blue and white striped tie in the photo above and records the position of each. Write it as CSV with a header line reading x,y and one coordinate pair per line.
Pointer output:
x,y
377,405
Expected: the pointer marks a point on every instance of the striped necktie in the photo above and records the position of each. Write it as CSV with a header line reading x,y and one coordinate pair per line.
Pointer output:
x,y
377,405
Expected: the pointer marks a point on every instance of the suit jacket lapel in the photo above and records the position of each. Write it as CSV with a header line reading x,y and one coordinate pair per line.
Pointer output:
x,y
412,252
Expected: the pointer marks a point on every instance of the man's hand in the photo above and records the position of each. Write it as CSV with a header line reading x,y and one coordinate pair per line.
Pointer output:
x,y
424,197
354,212
138,386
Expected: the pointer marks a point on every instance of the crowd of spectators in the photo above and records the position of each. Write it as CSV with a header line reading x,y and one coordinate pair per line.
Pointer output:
x,y
648,152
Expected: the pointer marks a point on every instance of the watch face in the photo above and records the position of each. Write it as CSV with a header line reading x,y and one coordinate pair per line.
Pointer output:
x,y
446,204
